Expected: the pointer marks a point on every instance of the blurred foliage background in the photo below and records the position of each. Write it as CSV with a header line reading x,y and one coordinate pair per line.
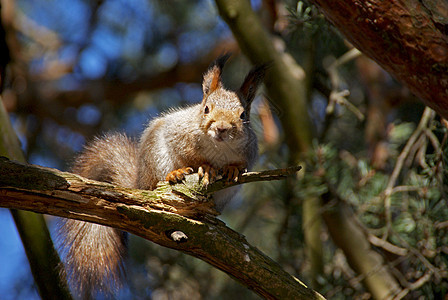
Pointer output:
x,y
78,68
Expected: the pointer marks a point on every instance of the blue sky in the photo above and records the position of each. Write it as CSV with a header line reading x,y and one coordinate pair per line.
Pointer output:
x,y
14,265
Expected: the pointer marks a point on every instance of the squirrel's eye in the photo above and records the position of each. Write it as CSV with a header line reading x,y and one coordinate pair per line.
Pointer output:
x,y
243,115
206,110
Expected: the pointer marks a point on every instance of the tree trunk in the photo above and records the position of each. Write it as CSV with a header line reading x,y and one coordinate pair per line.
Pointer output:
x,y
408,38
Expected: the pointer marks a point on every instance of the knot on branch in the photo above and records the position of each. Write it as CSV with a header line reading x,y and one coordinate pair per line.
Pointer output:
x,y
177,236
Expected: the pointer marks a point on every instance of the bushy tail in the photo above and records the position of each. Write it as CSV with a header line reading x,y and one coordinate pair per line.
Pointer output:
x,y
93,257
93,254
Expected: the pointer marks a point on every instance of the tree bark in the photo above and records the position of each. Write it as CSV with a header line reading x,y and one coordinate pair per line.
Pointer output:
x,y
154,215
42,256
408,38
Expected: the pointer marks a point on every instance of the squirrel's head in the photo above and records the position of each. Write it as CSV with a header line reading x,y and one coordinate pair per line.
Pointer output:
x,y
226,114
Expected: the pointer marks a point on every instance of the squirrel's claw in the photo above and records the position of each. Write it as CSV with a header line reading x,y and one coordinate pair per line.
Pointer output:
x,y
178,175
231,172
207,173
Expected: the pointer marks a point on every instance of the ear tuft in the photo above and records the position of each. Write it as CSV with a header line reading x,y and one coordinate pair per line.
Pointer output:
x,y
253,79
212,78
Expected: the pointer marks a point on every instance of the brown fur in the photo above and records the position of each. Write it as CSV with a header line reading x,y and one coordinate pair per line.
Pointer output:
x,y
93,254
212,135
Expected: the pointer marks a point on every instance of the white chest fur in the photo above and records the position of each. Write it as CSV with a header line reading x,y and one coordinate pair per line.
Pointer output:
x,y
220,154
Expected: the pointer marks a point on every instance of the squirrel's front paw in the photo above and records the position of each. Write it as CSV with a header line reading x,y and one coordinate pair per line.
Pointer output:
x,y
207,173
232,172
179,174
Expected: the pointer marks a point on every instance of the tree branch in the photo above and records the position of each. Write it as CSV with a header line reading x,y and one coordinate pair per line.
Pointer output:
x,y
408,38
176,216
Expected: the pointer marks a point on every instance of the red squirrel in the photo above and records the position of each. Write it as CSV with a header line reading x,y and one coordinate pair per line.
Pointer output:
x,y
212,137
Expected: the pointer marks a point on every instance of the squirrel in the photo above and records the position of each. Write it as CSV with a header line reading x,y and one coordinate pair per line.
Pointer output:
x,y
212,137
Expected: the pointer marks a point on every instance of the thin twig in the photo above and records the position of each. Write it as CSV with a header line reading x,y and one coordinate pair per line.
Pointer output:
x,y
346,57
428,114
267,175
433,138
439,165
340,97
420,256
406,189
421,281
374,240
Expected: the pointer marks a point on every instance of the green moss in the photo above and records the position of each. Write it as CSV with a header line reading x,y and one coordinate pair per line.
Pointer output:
x,y
33,178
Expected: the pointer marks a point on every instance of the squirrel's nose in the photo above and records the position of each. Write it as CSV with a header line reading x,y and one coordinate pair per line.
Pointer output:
x,y
222,127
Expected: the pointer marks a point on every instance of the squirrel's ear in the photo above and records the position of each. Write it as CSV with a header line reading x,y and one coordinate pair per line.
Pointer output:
x,y
212,78
251,83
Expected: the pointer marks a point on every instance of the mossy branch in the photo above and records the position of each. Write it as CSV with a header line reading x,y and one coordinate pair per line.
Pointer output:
x,y
179,216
